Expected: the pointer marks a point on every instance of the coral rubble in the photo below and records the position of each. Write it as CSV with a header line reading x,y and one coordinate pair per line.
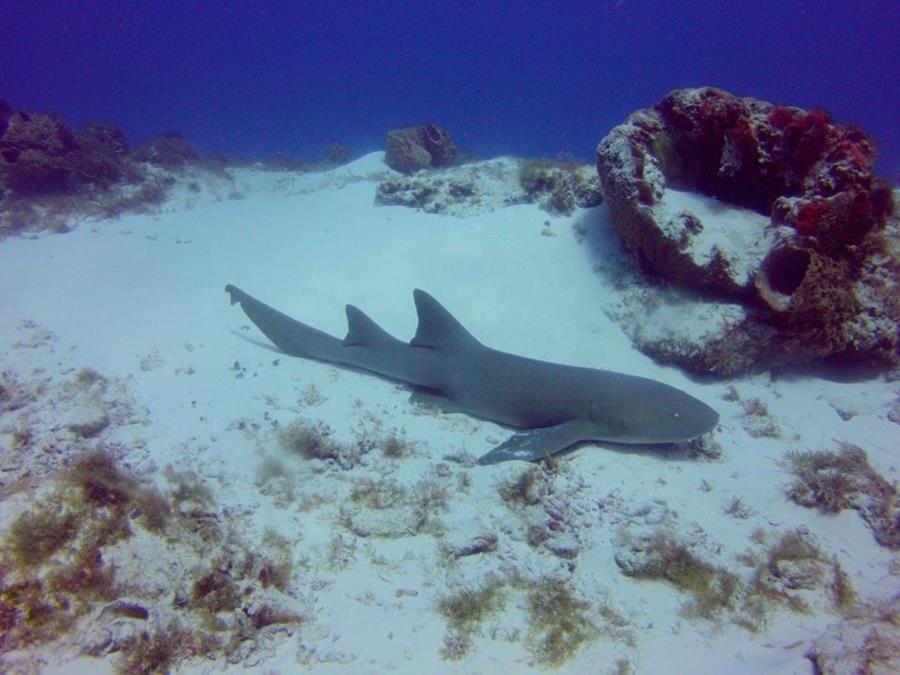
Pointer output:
x,y
771,207
559,187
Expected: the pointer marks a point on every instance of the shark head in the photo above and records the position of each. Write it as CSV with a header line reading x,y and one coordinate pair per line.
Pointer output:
x,y
682,419
653,412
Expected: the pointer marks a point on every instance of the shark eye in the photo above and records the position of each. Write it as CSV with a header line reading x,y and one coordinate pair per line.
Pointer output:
x,y
676,415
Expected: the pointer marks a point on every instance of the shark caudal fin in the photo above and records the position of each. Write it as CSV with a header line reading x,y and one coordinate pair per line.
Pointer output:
x,y
361,330
438,329
289,335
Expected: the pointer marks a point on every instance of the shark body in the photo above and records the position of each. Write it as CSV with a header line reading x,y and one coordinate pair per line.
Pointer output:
x,y
553,406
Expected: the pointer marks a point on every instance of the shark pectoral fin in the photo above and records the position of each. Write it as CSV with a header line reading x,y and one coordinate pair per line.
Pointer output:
x,y
535,444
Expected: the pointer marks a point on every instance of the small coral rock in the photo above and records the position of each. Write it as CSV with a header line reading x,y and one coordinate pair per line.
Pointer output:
x,y
337,154
424,147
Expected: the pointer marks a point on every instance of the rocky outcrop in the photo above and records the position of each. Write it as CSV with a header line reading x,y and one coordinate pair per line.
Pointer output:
x,y
41,154
424,147
771,207
53,177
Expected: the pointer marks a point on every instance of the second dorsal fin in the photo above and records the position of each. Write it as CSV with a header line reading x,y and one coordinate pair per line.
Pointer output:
x,y
361,330
438,329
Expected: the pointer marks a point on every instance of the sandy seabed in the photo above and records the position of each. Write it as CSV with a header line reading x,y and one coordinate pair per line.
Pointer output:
x,y
125,325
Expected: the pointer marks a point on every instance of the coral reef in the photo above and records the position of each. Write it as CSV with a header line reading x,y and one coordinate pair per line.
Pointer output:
x,y
771,207
428,146
52,176
528,489
792,563
39,153
389,510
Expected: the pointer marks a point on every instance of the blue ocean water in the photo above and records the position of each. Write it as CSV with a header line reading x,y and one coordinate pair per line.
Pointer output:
x,y
528,78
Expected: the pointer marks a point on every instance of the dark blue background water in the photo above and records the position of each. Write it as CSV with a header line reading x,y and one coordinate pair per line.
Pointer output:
x,y
528,78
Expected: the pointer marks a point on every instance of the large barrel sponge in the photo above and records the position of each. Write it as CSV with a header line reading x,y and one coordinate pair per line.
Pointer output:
x,y
818,212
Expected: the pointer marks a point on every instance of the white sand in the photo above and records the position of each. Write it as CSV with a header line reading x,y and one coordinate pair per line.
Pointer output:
x,y
738,236
141,300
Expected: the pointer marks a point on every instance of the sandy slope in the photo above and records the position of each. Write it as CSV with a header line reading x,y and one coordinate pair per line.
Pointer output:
x,y
141,300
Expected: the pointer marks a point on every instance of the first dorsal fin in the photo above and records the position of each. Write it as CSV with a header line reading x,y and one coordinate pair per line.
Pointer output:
x,y
361,330
438,329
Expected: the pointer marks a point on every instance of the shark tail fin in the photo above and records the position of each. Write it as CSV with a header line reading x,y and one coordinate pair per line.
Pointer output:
x,y
289,335
361,330
438,329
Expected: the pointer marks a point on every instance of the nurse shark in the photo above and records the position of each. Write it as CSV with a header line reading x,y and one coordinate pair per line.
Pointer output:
x,y
552,406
